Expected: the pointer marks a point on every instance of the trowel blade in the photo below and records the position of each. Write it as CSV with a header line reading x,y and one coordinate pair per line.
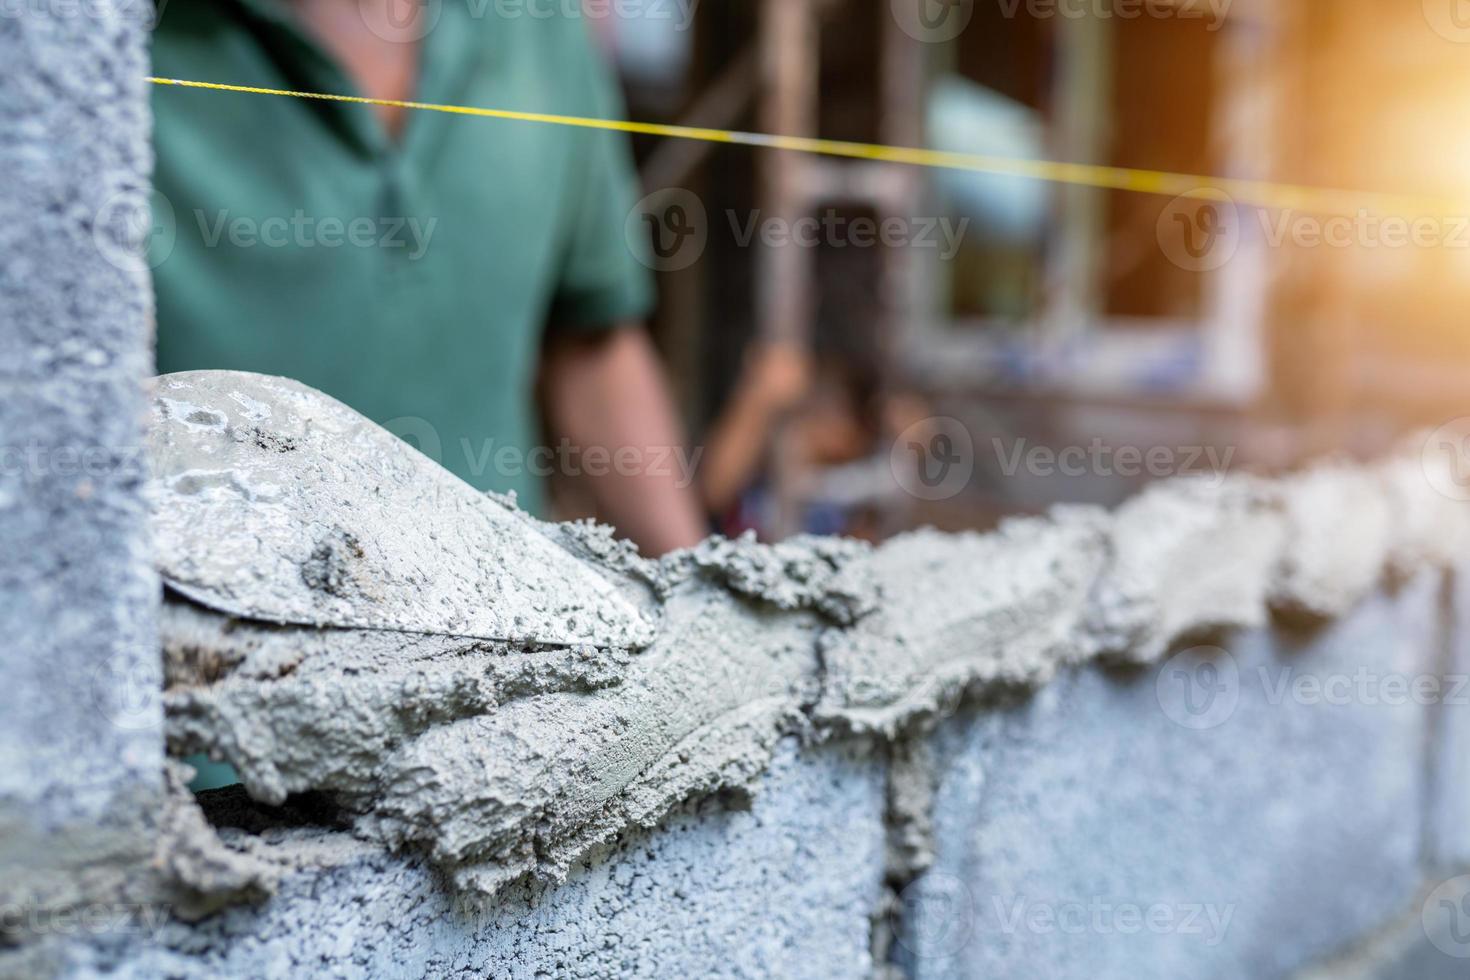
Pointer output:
x,y
274,502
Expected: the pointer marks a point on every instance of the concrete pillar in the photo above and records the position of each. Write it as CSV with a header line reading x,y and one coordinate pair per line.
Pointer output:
x,y
81,743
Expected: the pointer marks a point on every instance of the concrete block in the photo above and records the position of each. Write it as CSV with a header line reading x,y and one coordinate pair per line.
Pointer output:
x,y
1449,817
81,741
1226,814
784,889
1430,941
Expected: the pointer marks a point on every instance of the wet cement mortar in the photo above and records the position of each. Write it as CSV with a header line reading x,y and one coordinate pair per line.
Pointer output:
x,y
502,699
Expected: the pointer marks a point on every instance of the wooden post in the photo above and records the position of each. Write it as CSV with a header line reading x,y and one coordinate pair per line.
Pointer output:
x,y
785,302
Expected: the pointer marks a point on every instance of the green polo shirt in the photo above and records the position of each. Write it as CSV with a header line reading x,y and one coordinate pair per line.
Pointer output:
x,y
412,279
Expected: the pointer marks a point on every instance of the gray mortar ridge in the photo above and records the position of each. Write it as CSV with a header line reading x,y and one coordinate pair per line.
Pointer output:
x,y
328,629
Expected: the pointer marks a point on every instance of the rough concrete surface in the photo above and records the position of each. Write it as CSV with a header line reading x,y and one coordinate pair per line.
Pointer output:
x,y
81,767
1429,941
783,889
499,760
1263,830
451,756
1449,830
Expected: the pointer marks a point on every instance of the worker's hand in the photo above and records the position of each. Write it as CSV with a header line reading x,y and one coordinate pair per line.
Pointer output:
x,y
778,374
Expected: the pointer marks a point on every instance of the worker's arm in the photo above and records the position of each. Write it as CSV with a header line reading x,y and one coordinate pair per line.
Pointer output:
x,y
606,390
775,378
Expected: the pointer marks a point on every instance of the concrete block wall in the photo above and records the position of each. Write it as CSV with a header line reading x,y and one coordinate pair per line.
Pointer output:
x,y
783,886
1258,808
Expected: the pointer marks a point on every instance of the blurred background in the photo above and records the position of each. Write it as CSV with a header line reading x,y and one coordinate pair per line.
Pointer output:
x,y
913,354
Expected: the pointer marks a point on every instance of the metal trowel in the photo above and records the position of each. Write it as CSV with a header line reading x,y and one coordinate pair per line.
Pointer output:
x,y
274,502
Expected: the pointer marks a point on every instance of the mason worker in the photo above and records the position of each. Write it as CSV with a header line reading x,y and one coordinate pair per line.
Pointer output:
x,y
429,270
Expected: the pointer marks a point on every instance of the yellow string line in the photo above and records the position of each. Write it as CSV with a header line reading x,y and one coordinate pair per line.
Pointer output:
x,y
1265,194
